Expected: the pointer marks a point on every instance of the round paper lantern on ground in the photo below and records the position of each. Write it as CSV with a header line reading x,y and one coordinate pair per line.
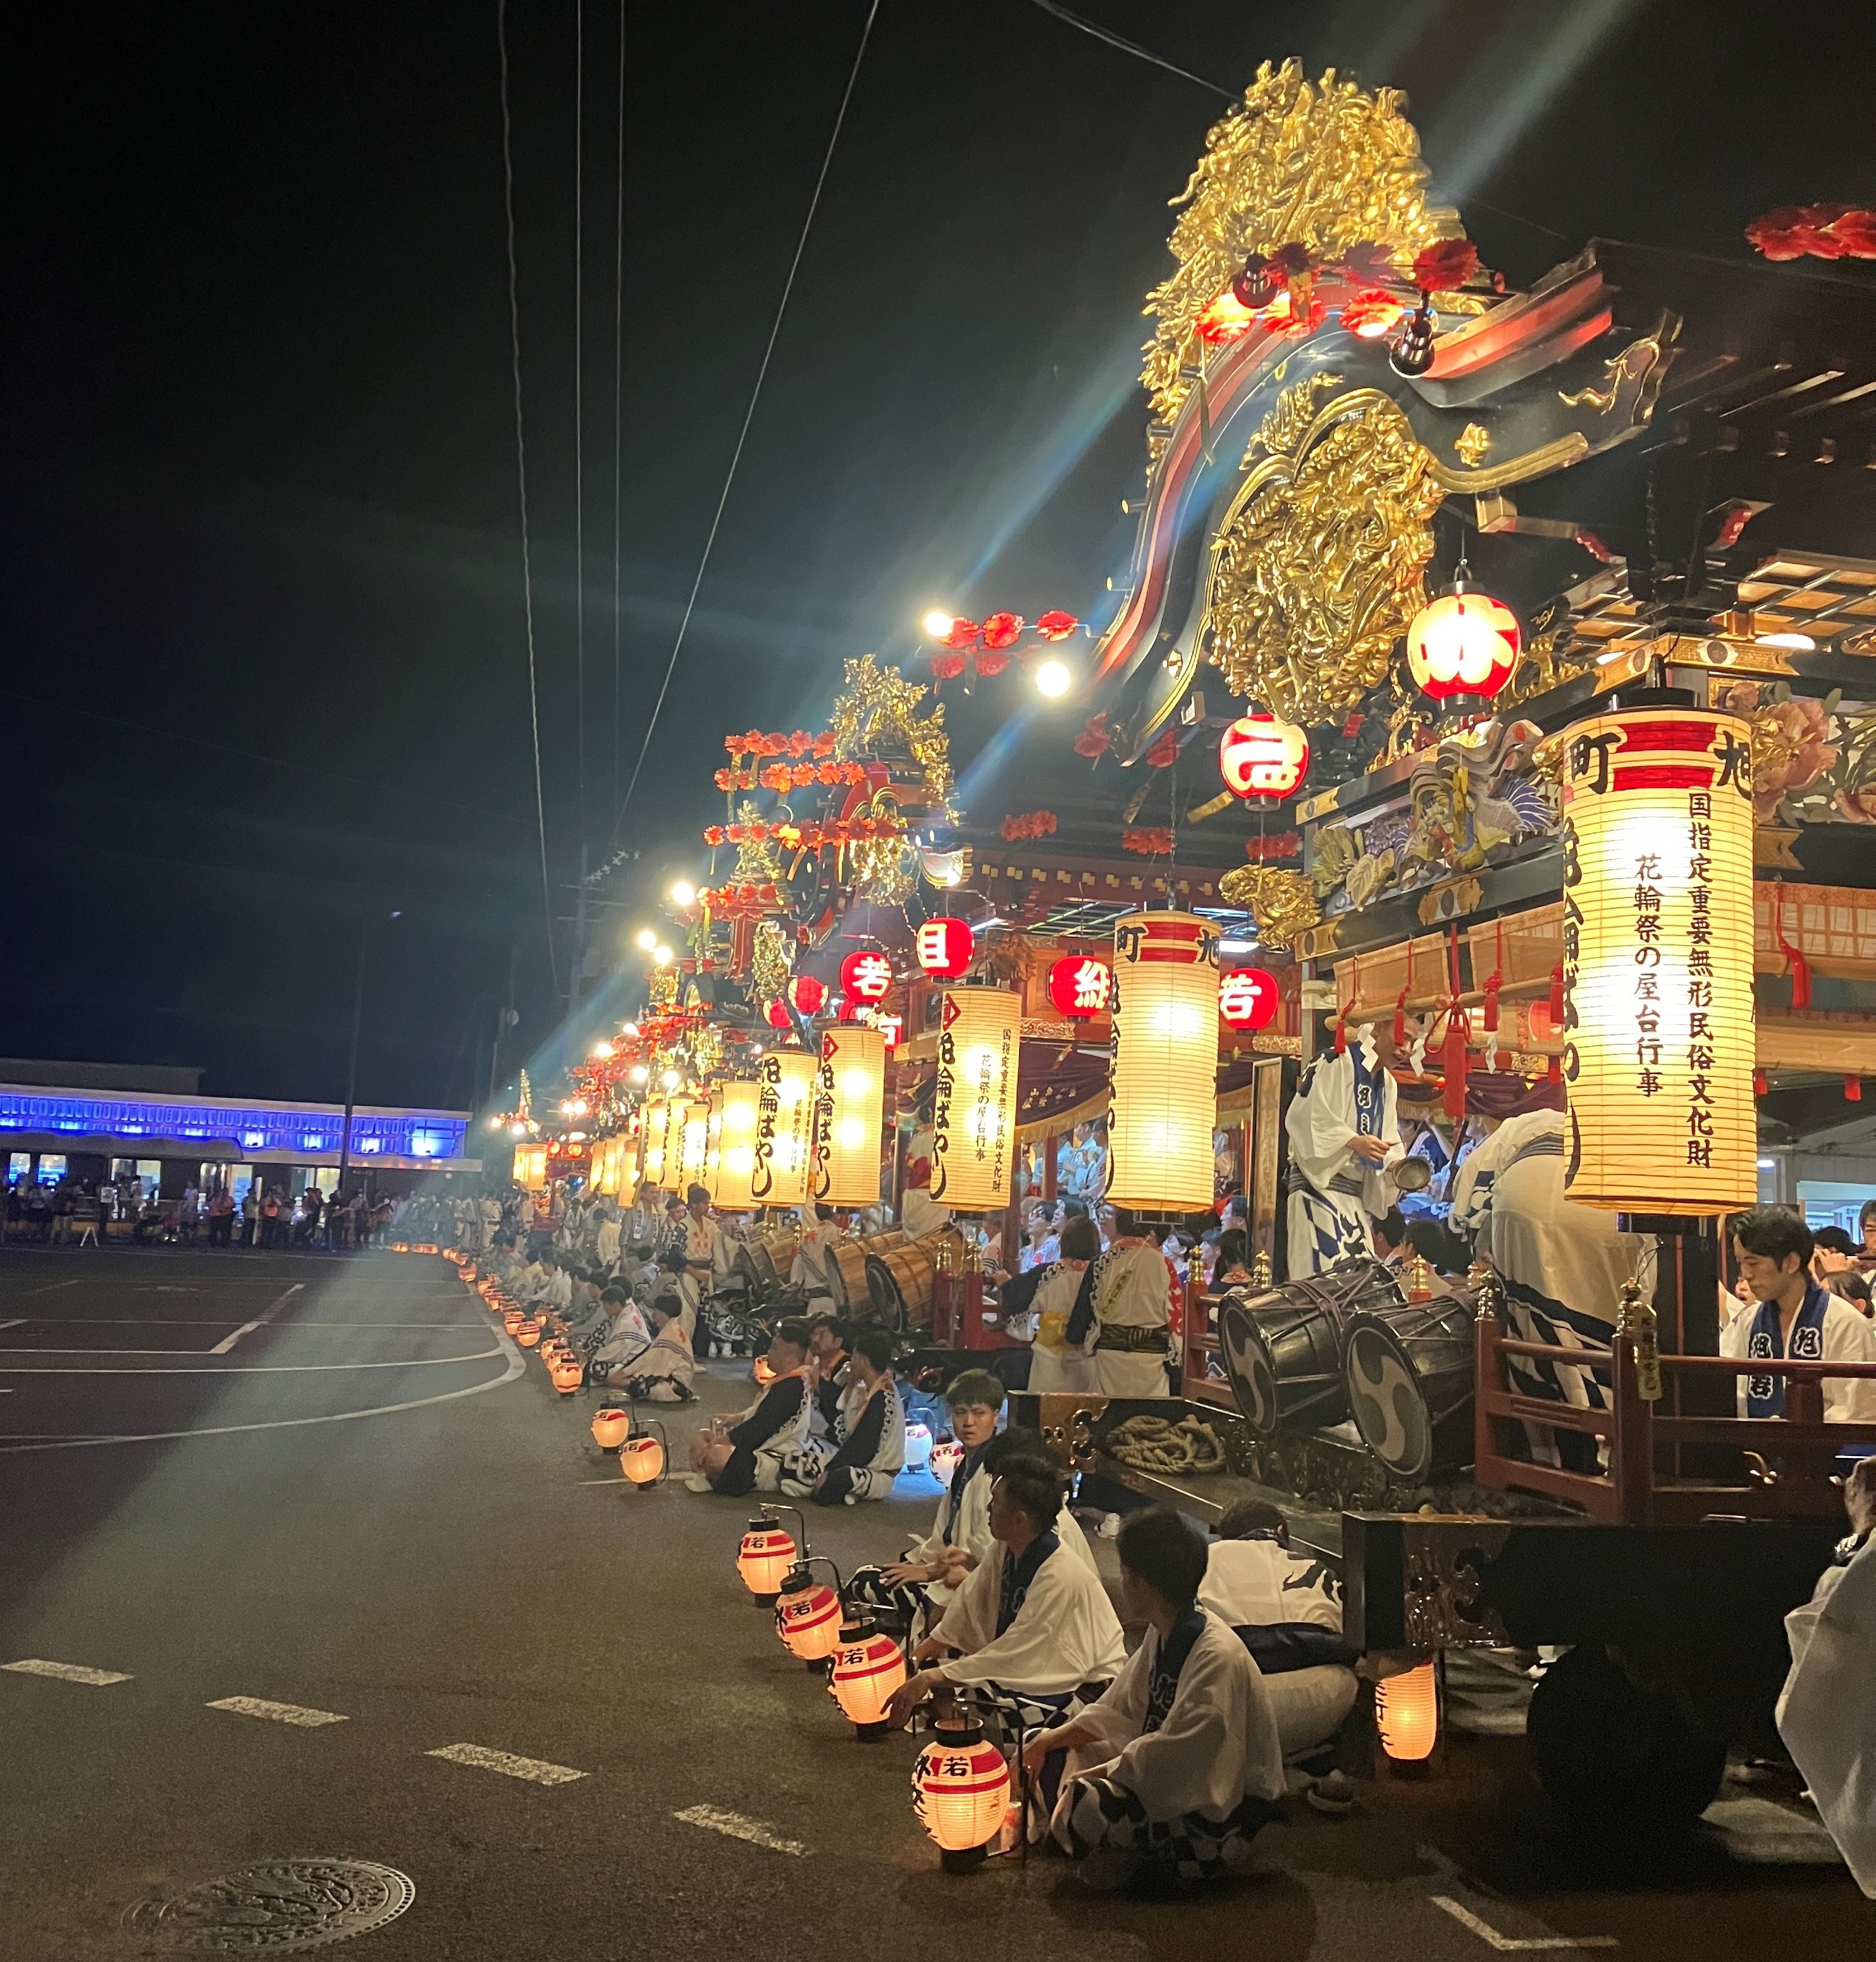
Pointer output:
x,y
1249,997
783,1155
1262,755
807,996
960,1790
946,1454
868,1667
1658,1043
766,1553
611,1428
944,947
733,1118
642,1459
530,1335
918,1447
1407,1714
1165,1062
973,1112
1465,642
512,1319
1081,986
850,1109
808,1617
566,1374
866,976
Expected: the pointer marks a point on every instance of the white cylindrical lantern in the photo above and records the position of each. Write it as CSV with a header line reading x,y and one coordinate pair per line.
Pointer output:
x,y
849,1110
656,1113
693,1131
531,1168
974,1110
1165,1062
1658,962
733,1117
629,1144
784,1128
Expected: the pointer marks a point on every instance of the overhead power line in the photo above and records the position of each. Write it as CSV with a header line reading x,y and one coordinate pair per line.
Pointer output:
x,y
749,416
1126,47
521,470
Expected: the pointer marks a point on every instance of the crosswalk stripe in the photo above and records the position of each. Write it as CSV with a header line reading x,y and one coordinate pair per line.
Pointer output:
x,y
713,1819
66,1671
535,1770
279,1713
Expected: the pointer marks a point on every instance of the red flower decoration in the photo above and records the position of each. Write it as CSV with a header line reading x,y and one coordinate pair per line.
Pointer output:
x,y
726,780
964,634
1798,231
1369,264
1277,845
1149,843
823,743
1029,824
946,667
1446,266
1372,314
1165,752
1001,630
1056,625
1092,742
1855,231
990,665
714,835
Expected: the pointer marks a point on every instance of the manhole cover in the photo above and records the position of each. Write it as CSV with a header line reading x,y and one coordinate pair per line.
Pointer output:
x,y
280,1905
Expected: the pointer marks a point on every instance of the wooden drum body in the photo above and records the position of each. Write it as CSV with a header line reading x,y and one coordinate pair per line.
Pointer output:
x,y
1409,1373
1282,1350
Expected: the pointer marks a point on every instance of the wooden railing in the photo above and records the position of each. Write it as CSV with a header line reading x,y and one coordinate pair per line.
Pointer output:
x,y
1784,1462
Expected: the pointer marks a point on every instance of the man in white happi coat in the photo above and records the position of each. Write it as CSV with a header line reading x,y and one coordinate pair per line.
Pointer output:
x,y
869,1427
705,1254
1563,1267
814,1268
1343,1133
1178,1764
1796,1317
1032,1625
1123,1314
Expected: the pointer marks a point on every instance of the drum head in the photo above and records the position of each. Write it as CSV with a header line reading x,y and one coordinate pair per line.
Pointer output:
x,y
1247,1363
1386,1401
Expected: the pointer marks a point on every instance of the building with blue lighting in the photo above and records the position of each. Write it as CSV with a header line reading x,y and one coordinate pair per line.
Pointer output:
x,y
103,1119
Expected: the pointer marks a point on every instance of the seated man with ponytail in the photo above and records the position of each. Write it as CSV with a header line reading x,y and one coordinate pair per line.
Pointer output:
x,y
1178,1766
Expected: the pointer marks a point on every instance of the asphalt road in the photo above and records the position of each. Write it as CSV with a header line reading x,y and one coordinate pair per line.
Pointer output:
x,y
333,1486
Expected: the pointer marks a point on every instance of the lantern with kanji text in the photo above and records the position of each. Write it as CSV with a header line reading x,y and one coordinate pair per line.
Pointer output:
x,y
960,1790
1263,756
767,1552
944,947
868,1668
1247,998
1465,642
866,975
1081,986
808,1616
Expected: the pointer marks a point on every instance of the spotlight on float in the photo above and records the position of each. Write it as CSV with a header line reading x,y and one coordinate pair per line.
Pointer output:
x,y
683,893
661,955
809,1615
644,1459
1407,1714
638,1074
868,1667
648,940
1053,678
767,1552
960,1790
937,623
670,1079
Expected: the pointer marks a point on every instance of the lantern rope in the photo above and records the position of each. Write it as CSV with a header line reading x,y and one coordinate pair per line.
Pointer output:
x,y
749,416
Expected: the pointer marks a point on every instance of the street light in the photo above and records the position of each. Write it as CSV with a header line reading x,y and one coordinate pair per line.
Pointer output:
x,y
1054,678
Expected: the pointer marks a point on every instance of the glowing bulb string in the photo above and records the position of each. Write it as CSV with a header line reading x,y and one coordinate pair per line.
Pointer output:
x,y
521,470
749,416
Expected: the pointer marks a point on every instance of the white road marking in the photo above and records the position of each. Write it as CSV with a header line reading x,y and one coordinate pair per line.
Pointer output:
x,y
232,1369
279,1713
535,1770
15,1321
51,1287
1518,1945
736,1827
260,1321
67,1671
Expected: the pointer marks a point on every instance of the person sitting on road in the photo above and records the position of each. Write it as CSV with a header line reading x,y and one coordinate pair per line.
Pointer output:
x,y
770,1447
1796,1316
828,1338
869,1426
1031,1628
662,1370
1286,1609
1177,1765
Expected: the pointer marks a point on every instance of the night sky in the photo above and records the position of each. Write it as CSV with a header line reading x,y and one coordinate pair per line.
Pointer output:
x,y
265,672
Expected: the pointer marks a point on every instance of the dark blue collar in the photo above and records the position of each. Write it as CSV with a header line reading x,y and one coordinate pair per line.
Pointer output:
x,y
1167,1665
1018,1572
1764,1395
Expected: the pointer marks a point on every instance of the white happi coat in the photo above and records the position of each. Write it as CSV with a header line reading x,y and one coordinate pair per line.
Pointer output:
x,y
1064,1634
1333,1193
1217,1745
972,1534
1848,1336
1131,1288
1827,1712
1054,1367
814,1256
1257,1583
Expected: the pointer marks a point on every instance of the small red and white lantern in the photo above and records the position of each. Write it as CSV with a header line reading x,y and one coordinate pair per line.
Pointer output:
x,y
944,947
808,1617
1465,642
1081,986
1247,998
767,1552
866,976
1263,756
960,1790
807,996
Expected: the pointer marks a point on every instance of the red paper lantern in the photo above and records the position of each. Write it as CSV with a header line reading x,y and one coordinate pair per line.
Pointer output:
x,y
1247,998
807,995
866,976
1081,986
776,1016
868,1666
1465,642
1259,755
944,947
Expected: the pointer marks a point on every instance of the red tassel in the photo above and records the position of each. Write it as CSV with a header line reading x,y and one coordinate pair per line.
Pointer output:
x,y
1557,996
1455,1061
1494,983
1761,1083
1800,966
1853,1090
1556,1069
